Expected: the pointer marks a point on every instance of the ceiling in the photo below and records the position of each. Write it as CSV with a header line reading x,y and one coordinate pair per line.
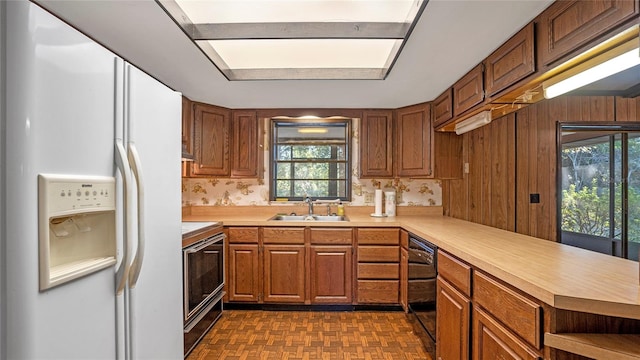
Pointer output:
x,y
450,38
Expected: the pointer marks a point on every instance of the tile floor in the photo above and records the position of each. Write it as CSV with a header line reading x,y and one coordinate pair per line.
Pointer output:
x,y
254,334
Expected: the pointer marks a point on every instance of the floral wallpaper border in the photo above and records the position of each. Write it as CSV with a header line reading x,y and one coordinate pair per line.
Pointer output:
x,y
251,192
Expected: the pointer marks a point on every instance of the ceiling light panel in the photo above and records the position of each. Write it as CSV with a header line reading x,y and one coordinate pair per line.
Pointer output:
x,y
261,11
298,39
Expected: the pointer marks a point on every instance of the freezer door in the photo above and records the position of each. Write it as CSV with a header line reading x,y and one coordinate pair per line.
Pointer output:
x,y
59,120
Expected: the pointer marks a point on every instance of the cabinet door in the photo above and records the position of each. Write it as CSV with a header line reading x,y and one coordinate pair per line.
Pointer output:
x,y
376,144
453,323
211,142
284,273
415,134
243,275
492,341
468,91
247,148
331,274
404,278
443,108
567,26
187,126
510,62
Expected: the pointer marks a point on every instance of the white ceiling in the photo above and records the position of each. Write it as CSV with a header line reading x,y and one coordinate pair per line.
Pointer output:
x,y
451,37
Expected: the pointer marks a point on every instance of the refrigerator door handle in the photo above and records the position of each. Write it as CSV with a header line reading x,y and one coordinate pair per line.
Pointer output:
x,y
136,264
123,165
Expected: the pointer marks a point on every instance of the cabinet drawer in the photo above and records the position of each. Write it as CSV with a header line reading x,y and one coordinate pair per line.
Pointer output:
x,y
381,236
283,235
378,253
245,235
506,305
332,236
455,272
378,271
378,291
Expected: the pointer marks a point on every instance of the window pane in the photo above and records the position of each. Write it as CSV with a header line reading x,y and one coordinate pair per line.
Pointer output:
x,y
341,171
284,152
283,188
634,195
312,152
585,187
283,170
311,170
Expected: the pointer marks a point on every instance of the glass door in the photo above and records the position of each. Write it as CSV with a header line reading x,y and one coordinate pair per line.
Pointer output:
x,y
599,187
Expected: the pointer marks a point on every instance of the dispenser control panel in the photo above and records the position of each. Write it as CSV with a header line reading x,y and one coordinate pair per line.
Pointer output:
x,y
71,193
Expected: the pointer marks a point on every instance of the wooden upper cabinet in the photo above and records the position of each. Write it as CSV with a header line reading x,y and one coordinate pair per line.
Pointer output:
x,y
187,126
211,143
566,26
376,144
442,108
414,140
468,91
513,61
247,154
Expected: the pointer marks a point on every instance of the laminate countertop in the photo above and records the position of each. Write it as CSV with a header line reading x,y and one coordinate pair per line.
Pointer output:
x,y
562,276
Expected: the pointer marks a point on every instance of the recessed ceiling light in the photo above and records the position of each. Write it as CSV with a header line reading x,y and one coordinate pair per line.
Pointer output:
x,y
298,39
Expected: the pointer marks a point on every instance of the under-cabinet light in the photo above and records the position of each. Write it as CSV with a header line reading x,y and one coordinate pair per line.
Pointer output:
x,y
611,62
310,130
474,122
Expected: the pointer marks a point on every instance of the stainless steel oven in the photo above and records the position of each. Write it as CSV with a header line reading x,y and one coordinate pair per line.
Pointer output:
x,y
422,290
203,271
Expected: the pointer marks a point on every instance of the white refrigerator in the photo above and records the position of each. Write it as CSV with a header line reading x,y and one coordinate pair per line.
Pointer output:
x,y
68,102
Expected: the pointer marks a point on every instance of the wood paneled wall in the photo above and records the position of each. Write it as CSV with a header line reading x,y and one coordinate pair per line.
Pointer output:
x,y
515,156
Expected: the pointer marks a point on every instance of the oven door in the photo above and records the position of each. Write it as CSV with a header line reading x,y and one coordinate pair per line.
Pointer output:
x,y
203,273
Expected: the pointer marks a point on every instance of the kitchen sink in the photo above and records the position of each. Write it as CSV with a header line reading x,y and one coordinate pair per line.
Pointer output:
x,y
309,218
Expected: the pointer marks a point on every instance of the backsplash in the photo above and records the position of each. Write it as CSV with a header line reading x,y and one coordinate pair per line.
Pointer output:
x,y
250,192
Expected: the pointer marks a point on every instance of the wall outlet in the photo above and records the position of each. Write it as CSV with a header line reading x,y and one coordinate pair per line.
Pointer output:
x,y
534,198
466,168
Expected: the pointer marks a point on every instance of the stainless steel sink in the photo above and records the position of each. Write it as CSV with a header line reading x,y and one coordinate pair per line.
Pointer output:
x,y
309,218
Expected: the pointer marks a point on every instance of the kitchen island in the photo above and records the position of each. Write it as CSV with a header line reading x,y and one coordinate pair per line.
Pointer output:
x,y
567,282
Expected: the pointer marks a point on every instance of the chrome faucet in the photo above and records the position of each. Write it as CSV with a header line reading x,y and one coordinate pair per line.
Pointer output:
x,y
310,202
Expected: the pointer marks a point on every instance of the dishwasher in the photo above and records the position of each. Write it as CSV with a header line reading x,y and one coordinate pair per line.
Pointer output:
x,y
422,290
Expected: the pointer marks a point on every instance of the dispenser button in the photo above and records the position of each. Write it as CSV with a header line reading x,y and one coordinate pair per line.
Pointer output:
x,y
62,193
95,193
79,193
86,193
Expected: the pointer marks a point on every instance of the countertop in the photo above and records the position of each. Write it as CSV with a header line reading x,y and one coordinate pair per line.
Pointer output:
x,y
562,276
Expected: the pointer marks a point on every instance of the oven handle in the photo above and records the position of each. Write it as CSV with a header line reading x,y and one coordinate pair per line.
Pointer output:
x,y
204,244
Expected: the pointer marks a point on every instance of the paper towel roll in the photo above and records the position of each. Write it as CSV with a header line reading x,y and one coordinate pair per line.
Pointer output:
x,y
378,202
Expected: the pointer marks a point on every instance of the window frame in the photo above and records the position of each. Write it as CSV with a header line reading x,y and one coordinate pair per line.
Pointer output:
x,y
315,122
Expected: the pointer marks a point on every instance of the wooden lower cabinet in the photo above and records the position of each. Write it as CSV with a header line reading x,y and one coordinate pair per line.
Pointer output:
x,y
243,280
493,341
453,316
331,274
284,273
404,279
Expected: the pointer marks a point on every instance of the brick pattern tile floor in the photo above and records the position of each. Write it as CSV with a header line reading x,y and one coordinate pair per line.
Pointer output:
x,y
368,335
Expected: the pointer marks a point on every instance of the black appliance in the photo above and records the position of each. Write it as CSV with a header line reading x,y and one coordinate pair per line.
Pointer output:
x,y
422,290
203,271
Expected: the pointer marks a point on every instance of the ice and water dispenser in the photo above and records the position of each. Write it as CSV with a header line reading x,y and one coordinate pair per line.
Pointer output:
x,y
77,230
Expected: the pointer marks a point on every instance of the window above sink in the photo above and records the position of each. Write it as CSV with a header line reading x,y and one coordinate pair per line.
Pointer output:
x,y
310,157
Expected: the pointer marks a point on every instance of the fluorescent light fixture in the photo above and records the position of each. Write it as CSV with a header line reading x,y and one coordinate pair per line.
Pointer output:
x,y
298,39
311,130
599,67
474,122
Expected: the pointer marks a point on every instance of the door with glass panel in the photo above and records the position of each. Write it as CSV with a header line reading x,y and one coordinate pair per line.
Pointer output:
x,y
599,187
